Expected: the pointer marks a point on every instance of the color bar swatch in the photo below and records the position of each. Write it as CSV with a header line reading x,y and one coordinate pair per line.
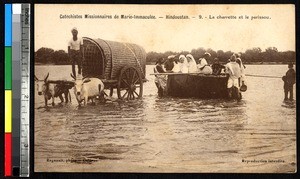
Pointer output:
x,y
8,90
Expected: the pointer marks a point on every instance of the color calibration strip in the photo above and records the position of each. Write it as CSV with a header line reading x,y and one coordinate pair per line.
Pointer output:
x,y
8,91
17,83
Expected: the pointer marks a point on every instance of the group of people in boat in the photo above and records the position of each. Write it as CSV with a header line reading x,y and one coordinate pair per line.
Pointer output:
x,y
184,64
187,64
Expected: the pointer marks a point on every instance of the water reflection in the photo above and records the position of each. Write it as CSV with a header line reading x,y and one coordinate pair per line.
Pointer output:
x,y
107,131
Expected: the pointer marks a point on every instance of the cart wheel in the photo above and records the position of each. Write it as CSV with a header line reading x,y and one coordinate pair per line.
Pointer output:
x,y
130,84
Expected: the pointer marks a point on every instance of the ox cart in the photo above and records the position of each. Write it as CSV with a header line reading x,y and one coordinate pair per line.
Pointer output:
x,y
120,66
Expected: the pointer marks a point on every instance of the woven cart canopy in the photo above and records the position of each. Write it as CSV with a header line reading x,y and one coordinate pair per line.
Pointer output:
x,y
105,59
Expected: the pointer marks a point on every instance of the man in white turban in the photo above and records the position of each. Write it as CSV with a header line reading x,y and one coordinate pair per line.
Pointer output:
x,y
75,51
242,66
234,71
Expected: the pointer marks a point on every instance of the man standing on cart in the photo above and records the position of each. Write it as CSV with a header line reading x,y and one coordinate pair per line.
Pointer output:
x,y
75,51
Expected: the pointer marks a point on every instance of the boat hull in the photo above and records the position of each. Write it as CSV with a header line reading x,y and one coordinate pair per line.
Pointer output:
x,y
197,85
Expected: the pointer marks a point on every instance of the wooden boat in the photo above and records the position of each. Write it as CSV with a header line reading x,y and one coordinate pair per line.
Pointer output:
x,y
196,85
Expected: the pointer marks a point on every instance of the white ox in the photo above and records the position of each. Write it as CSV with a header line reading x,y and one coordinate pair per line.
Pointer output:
x,y
87,88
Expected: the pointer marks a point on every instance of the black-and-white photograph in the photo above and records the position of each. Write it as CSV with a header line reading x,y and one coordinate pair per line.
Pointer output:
x,y
165,88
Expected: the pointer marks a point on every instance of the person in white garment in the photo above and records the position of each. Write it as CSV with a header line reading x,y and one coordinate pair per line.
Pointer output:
x,y
191,64
183,64
75,51
234,71
242,79
203,66
176,68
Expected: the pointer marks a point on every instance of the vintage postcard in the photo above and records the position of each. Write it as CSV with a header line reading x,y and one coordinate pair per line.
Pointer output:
x,y
165,88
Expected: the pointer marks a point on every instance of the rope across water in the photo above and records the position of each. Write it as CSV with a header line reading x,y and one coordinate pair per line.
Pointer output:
x,y
263,76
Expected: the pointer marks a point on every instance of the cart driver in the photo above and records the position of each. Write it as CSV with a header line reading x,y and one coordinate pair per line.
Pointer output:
x,y
75,51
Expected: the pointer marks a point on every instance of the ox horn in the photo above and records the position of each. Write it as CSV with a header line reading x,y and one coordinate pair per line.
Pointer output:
x,y
45,79
35,78
72,76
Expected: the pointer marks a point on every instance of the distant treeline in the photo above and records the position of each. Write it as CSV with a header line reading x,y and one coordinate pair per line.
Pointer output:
x,y
254,55
49,56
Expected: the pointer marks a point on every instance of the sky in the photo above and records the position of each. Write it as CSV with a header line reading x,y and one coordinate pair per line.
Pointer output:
x,y
163,34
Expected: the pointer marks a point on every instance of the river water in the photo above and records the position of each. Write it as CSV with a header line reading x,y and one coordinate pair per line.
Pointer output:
x,y
168,134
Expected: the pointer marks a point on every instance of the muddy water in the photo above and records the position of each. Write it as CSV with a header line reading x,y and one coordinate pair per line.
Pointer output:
x,y
156,134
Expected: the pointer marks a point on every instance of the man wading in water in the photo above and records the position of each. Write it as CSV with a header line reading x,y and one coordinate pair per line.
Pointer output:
x,y
75,51
289,81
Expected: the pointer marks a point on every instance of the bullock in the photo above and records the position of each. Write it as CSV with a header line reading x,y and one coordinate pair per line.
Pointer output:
x,y
87,88
52,90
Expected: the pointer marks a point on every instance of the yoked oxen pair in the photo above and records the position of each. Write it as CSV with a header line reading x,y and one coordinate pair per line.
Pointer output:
x,y
52,90
87,89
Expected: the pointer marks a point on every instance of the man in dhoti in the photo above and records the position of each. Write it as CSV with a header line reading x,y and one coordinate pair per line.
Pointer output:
x,y
75,51
233,69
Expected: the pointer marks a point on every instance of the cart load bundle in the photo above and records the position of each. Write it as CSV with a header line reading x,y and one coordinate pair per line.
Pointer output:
x,y
105,59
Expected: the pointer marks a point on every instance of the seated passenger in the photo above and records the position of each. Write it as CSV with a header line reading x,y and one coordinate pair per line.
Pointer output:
x,y
191,64
183,64
203,67
217,67
176,68
169,64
